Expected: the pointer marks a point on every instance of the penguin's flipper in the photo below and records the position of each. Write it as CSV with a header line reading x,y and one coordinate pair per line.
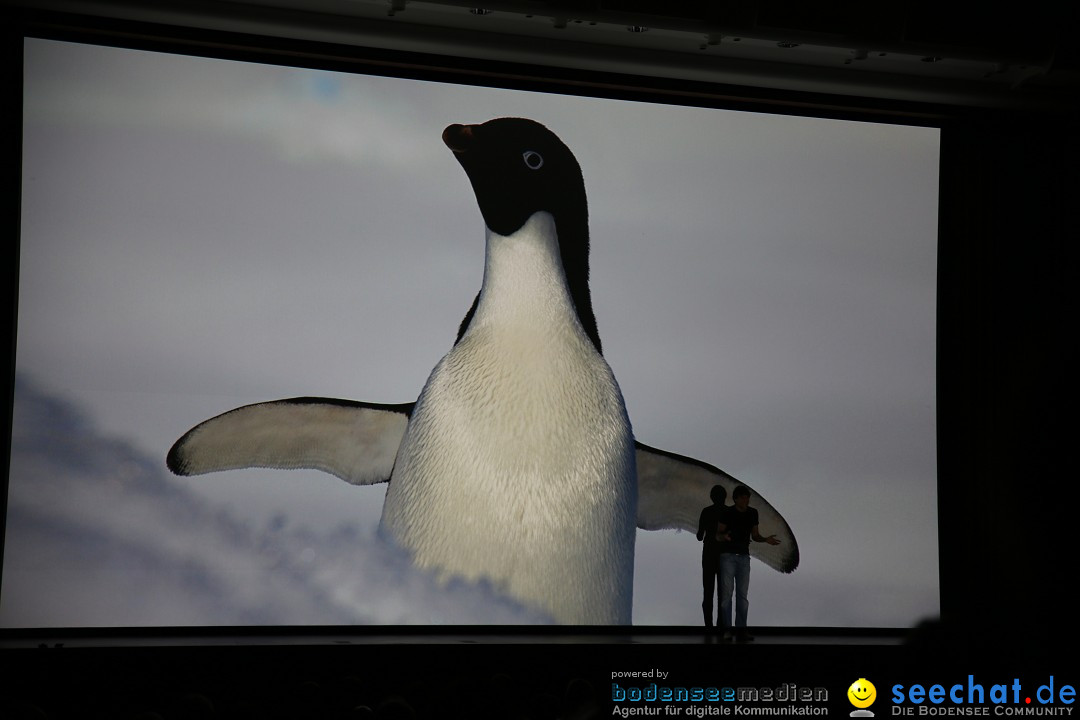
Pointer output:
x,y
355,441
673,489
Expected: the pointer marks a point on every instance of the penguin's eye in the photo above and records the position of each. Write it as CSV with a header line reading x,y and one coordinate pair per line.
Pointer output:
x,y
533,160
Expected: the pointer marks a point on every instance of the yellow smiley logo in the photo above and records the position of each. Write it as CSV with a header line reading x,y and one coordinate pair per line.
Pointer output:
x,y
862,693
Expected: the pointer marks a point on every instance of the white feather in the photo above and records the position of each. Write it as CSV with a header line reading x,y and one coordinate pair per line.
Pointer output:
x,y
673,489
357,442
518,463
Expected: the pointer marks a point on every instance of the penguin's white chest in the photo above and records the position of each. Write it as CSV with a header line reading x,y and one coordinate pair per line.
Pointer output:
x,y
518,462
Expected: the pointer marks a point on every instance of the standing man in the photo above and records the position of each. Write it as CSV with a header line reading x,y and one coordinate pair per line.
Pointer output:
x,y
741,525
710,533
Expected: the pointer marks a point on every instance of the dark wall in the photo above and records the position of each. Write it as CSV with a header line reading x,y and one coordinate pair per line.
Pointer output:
x,y
1008,191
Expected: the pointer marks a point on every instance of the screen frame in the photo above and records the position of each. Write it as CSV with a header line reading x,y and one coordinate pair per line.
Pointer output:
x,y
955,333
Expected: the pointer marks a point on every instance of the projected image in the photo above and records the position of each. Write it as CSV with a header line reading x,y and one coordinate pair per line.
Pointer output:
x,y
201,235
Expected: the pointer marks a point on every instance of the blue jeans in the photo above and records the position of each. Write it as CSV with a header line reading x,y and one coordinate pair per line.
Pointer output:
x,y
710,583
734,576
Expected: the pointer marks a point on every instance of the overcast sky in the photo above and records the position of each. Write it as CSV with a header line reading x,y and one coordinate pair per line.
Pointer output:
x,y
200,234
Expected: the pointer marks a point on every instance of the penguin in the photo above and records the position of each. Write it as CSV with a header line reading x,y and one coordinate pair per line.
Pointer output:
x,y
517,463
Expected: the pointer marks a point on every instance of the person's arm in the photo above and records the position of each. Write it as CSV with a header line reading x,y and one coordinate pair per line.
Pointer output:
x,y
756,537
701,524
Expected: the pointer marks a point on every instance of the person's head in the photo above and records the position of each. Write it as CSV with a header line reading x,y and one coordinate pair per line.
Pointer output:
x,y
718,494
741,497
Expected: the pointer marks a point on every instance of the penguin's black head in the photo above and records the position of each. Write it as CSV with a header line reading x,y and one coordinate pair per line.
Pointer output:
x,y
518,167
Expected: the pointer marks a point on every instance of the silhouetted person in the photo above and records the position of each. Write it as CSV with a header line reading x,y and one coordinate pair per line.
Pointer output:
x,y
741,524
709,532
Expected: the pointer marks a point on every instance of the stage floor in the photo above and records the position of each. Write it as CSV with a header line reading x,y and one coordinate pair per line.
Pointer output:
x,y
338,636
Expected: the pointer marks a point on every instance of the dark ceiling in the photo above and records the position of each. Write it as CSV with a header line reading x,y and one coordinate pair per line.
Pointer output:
x,y
1015,56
